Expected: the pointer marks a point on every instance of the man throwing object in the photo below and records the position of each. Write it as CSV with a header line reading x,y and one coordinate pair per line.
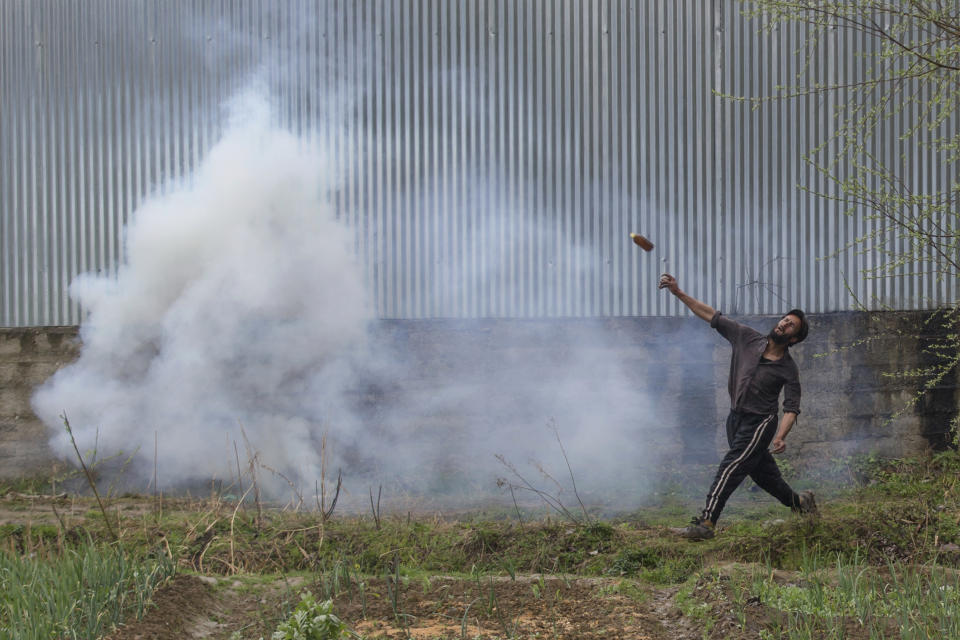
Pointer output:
x,y
760,368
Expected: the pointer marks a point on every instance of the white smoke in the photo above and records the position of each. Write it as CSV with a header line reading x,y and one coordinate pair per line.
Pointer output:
x,y
238,306
240,317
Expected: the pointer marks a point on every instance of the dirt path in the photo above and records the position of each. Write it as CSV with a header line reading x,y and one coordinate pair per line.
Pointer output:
x,y
442,607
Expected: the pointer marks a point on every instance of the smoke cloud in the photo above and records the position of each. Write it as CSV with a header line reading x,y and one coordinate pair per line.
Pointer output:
x,y
238,305
241,317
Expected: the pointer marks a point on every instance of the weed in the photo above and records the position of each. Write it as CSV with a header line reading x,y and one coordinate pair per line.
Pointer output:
x,y
312,620
375,509
603,531
629,561
510,567
672,570
626,588
538,587
655,565
696,608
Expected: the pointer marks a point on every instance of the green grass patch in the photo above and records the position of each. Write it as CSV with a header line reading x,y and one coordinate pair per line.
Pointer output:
x,y
664,563
894,600
80,593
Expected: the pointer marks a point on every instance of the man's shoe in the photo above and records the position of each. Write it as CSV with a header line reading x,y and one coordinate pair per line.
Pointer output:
x,y
697,530
807,503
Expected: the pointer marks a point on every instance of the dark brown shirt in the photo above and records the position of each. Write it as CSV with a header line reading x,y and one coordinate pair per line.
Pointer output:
x,y
755,385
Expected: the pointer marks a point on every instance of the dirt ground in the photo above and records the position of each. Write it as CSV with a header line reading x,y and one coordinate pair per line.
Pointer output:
x,y
455,608
491,607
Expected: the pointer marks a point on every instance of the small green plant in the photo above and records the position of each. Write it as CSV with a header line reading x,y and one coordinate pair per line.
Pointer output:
x,y
313,620
627,588
538,587
693,606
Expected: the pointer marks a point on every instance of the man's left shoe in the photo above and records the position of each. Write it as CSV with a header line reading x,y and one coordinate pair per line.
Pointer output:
x,y
808,506
698,529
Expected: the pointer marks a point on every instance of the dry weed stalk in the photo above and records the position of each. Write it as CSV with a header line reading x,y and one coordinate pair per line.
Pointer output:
x,y
516,506
63,525
119,474
192,532
553,501
253,458
204,552
239,473
322,497
120,528
297,494
156,448
166,546
376,510
552,425
325,513
90,480
232,519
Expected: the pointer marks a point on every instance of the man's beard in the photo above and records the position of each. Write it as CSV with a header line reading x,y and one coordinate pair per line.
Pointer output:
x,y
779,338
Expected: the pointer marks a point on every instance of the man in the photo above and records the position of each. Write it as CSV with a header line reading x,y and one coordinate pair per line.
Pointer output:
x,y
760,368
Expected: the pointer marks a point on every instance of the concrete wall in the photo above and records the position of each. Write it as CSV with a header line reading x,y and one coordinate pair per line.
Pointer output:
x,y
849,396
28,357
847,400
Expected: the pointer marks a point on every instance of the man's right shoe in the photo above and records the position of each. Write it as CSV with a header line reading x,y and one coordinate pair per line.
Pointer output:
x,y
807,503
698,529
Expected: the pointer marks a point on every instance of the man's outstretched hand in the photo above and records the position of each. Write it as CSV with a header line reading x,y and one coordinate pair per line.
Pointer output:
x,y
700,309
667,281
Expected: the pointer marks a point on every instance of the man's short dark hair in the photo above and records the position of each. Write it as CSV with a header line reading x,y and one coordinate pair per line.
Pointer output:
x,y
804,329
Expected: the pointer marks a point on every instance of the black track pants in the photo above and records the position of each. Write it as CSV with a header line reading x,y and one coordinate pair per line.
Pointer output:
x,y
749,437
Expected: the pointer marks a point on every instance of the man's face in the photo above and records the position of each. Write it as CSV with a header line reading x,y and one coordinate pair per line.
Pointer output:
x,y
786,330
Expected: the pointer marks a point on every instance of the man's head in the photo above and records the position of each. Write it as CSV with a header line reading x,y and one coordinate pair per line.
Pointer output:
x,y
791,329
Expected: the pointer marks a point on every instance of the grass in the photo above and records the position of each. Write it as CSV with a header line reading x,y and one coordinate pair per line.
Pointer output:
x,y
697,606
879,561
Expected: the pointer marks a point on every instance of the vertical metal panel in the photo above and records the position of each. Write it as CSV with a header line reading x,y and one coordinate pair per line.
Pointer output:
x,y
492,155
8,114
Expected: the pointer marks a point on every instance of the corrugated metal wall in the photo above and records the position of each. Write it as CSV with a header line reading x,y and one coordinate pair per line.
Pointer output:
x,y
494,153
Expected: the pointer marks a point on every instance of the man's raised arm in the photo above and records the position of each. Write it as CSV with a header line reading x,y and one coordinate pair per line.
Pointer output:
x,y
700,309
